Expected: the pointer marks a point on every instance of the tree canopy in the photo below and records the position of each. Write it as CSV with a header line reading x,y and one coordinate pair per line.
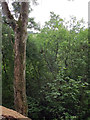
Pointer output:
x,y
57,83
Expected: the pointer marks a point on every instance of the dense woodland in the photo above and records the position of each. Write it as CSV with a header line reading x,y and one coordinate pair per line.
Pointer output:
x,y
57,75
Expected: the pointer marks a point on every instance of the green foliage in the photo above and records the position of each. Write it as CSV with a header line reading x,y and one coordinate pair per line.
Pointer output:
x,y
34,108
7,66
67,98
65,53
56,70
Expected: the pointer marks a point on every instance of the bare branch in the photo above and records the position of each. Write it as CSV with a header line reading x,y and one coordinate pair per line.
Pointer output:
x,y
8,15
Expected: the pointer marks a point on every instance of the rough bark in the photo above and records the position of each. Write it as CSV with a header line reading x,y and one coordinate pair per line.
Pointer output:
x,y
19,71
20,30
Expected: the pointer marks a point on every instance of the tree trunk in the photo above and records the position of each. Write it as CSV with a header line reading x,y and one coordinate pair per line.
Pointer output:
x,y
20,29
19,70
